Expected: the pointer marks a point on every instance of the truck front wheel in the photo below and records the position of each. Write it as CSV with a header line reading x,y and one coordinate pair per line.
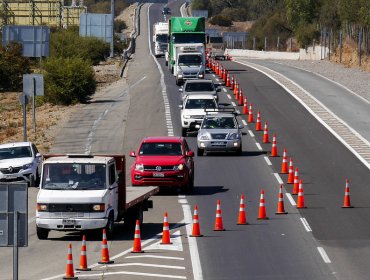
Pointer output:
x,y
42,233
109,228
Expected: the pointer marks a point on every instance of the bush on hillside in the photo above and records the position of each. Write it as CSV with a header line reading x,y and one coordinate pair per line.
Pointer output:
x,y
221,21
12,66
68,80
119,25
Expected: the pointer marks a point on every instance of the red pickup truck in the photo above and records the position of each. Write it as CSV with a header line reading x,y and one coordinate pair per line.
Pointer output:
x,y
163,161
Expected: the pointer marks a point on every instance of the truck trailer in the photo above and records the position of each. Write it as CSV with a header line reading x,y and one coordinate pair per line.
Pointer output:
x,y
87,192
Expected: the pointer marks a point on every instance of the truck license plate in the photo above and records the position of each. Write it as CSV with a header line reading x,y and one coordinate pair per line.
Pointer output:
x,y
158,175
68,222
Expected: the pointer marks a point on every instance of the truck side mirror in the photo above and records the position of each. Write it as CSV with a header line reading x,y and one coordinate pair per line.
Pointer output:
x,y
132,154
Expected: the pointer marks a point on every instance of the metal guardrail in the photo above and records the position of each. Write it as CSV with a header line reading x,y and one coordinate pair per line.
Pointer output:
x,y
136,32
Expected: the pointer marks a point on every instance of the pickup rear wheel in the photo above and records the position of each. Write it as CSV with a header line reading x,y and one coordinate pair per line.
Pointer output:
x,y
42,233
184,132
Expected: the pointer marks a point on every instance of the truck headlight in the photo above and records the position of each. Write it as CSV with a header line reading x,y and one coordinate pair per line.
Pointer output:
x,y
42,207
98,207
139,167
234,136
178,167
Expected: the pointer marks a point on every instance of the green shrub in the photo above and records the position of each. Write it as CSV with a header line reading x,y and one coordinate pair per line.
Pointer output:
x,y
68,80
12,66
221,20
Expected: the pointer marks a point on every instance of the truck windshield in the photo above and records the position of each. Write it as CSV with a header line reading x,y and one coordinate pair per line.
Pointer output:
x,y
74,176
182,38
161,38
191,59
161,149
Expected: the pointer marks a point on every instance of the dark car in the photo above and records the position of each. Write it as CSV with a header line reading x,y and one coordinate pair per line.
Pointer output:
x,y
163,161
166,11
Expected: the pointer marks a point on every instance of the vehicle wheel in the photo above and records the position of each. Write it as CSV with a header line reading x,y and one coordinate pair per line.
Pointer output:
x,y
42,233
109,228
184,132
200,152
190,186
239,151
166,63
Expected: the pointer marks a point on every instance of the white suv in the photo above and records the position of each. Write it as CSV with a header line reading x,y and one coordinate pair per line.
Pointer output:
x,y
20,161
193,110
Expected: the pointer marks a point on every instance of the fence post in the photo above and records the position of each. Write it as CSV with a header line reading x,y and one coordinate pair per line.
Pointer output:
x,y
340,46
359,48
265,43
278,43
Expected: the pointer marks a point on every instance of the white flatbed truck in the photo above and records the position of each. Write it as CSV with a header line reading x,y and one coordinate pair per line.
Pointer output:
x,y
87,192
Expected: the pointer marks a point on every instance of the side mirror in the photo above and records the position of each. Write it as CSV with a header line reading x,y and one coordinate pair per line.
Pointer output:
x,y
132,154
190,154
197,126
38,155
180,89
240,126
180,106
218,89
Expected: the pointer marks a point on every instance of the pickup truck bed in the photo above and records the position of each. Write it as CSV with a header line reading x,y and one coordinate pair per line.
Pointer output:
x,y
135,195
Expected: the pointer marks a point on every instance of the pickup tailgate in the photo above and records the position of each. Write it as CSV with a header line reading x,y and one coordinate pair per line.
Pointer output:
x,y
135,195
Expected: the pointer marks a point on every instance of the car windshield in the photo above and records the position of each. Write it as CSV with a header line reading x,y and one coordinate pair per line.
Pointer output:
x,y
161,149
190,59
219,123
200,104
199,87
15,152
74,176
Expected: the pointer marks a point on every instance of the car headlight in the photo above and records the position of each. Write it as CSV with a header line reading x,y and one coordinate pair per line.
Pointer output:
x,y
139,167
27,166
98,207
178,167
233,136
201,76
203,136
187,117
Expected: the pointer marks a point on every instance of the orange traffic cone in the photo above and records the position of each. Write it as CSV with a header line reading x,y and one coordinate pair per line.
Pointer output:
x,y
280,207
250,113
240,100
218,223
266,134
237,94
274,151
347,201
83,258
242,218
291,172
224,75
300,199
232,83
166,231
245,106
227,79
284,164
104,250
236,87
296,182
262,207
196,226
70,273
137,240
258,123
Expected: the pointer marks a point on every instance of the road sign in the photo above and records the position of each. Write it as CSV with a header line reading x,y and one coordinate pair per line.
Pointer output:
x,y
32,82
13,200
23,99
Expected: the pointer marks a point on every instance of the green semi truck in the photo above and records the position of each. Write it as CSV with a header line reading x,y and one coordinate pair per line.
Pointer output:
x,y
186,48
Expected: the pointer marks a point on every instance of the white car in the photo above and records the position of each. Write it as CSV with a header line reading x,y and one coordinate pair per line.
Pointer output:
x,y
20,161
193,110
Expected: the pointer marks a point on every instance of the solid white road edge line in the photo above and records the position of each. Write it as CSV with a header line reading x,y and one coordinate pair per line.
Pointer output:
x,y
193,246
305,224
323,255
148,265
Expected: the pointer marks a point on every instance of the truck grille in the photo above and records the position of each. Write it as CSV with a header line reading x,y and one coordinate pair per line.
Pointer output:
x,y
218,135
69,208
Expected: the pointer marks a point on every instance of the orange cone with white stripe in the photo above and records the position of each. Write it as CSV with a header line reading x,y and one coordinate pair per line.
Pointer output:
x,y
104,250
262,207
83,257
284,164
242,217
291,172
250,113
266,134
274,151
245,106
232,82
218,222
280,207
236,87
347,200
296,182
240,99
196,226
166,230
227,79
70,273
258,123
224,75
300,199
137,240
237,94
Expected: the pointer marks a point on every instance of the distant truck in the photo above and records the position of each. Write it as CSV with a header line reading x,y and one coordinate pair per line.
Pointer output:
x,y
87,192
185,56
160,38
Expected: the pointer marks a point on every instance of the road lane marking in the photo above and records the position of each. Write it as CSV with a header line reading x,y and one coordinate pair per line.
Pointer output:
x,y
193,246
133,273
278,178
155,257
183,201
268,161
305,224
233,103
148,265
259,146
290,198
250,131
175,246
323,254
224,89
228,96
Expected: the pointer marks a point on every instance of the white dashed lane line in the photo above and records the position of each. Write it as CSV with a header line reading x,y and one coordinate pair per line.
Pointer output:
x,y
306,225
267,161
323,255
290,198
278,178
259,146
